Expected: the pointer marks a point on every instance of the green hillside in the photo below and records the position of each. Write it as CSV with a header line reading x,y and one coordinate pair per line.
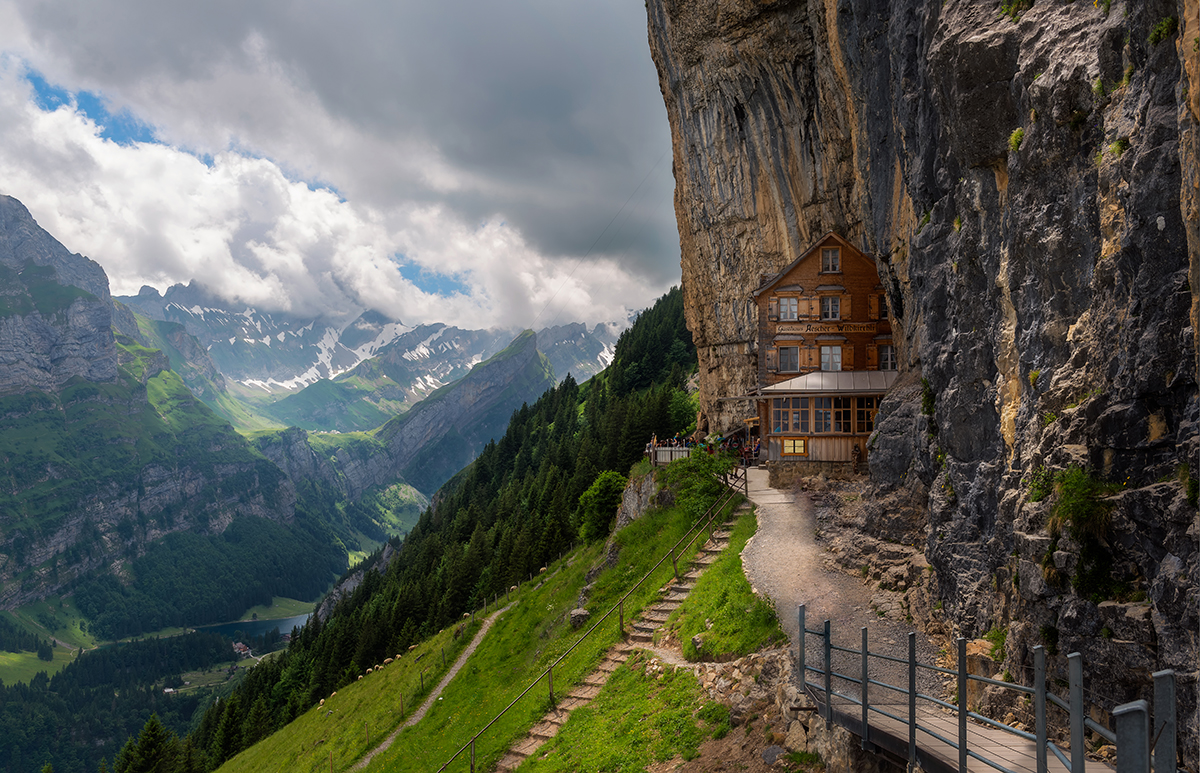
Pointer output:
x,y
534,633
512,511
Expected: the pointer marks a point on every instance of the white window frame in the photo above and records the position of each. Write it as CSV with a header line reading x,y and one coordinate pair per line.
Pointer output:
x,y
887,357
831,307
789,309
831,260
831,358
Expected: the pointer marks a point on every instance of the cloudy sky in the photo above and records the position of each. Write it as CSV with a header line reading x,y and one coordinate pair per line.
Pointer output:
x,y
507,163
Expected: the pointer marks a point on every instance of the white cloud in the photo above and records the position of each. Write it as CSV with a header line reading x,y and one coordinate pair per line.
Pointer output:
x,y
151,213
493,142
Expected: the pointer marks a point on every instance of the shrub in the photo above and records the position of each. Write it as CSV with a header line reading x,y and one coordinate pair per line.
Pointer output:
x,y
1163,30
997,637
599,504
1015,139
1014,8
957,224
1033,377
1079,507
1119,147
1050,639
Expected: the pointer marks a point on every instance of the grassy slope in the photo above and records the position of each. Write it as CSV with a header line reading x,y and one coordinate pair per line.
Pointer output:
x,y
371,705
517,650
741,621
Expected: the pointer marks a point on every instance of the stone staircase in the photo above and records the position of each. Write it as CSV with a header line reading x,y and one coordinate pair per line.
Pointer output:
x,y
641,634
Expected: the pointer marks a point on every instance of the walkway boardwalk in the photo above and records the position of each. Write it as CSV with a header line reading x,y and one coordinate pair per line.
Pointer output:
x,y
785,561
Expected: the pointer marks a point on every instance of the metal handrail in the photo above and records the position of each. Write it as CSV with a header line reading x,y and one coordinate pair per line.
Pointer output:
x,y
1131,719
699,527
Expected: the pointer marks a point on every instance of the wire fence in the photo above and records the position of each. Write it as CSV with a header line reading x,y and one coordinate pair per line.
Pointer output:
x,y
1135,745
733,483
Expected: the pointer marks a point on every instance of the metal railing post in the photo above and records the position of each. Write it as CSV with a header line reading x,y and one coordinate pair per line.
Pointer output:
x,y
912,702
803,670
1039,704
675,565
962,706
550,674
866,727
472,755
1133,737
828,677
1075,679
621,615
1163,751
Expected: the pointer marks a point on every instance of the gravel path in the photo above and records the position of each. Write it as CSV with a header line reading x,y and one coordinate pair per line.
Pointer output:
x,y
420,713
784,561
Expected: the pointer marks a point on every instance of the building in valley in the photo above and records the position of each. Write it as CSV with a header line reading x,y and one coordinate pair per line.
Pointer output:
x,y
825,357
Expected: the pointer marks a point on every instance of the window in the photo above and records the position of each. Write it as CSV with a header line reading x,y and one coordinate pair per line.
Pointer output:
x,y
794,446
842,414
788,308
831,259
887,357
831,358
831,307
789,359
867,408
789,414
822,414
883,306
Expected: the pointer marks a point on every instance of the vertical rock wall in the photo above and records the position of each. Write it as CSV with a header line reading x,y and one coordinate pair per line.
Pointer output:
x,y
1028,187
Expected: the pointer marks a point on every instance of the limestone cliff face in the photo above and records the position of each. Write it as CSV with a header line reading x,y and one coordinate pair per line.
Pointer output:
x,y
103,451
55,317
1028,188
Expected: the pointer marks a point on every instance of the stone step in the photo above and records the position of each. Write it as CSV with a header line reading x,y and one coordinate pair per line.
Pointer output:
x,y
646,626
510,761
619,656
545,730
641,638
527,746
584,692
571,703
656,616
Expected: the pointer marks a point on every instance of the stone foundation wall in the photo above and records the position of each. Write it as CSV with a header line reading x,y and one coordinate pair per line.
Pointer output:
x,y
784,475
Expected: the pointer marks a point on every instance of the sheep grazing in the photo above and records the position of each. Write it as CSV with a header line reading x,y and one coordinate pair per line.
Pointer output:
x,y
388,662
413,647
513,589
360,677
541,570
322,703
333,693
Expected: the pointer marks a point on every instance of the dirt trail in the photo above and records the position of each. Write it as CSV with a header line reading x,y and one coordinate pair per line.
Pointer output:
x,y
420,713
784,561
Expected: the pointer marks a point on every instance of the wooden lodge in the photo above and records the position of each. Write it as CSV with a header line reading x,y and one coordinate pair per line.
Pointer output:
x,y
825,358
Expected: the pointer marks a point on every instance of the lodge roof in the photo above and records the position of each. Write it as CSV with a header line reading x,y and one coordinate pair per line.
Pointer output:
x,y
843,382
776,278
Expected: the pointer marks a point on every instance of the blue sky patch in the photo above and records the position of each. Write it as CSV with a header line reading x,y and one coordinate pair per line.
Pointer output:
x,y
431,281
122,127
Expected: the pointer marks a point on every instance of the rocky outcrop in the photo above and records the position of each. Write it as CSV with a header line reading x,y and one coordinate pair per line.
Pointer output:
x,y
641,496
1027,183
102,449
55,319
